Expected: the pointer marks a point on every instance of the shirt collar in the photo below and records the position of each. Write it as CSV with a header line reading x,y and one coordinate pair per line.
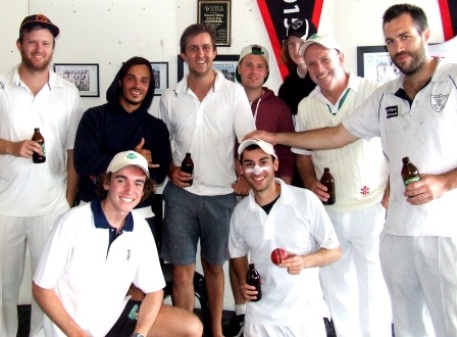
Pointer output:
x,y
353,85
182,88
286,197
54,81
394,86
101,221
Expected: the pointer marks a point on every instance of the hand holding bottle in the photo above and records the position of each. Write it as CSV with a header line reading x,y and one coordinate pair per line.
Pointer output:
x,y
252,286
187,167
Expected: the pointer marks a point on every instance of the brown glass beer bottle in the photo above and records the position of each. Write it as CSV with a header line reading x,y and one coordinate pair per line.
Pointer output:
x,y
38,137
187,166
253,279
409,172
328,181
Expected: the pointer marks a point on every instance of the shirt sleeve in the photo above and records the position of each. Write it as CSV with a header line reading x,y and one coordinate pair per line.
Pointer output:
x,y
322,228
54,257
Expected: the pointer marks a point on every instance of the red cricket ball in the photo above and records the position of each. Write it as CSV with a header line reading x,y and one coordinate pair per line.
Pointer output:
x,y
278,255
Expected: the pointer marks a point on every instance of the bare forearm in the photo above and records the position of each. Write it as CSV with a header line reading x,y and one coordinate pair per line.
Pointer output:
x,y
322,257
53,308
318,139
149,310
450,180
6,147
240,267
305,168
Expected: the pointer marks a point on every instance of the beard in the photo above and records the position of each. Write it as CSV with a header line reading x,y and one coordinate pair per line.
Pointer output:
x,y
35,66
418,60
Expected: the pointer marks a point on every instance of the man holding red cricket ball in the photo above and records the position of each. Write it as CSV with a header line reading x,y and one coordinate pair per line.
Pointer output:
x,y
288,235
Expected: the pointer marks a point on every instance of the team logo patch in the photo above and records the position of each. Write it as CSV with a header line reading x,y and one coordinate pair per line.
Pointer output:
x,y
438,102
392,111
365,190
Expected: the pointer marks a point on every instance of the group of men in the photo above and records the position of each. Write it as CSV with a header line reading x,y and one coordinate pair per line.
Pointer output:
x,y
96,266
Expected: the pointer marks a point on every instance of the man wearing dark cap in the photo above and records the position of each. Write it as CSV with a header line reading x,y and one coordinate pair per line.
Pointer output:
x,y
297,85
33,195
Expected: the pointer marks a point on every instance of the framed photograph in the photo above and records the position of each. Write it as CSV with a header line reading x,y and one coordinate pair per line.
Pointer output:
x,y
160,76
83,75
374,63
225,63
218,14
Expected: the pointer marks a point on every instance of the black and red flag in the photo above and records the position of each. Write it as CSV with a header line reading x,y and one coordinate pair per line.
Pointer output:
x,y
277,16
448,9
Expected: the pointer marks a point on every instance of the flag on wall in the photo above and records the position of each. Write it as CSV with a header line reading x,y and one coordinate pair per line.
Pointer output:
x,y
448,9
277,16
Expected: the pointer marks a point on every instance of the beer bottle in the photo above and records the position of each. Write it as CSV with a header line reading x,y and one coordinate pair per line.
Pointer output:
x,y
38,137
409,172
253,279
328,181
187,166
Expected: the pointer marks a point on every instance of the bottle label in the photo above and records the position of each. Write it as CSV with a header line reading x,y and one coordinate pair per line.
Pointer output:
x,y
412,180
43,149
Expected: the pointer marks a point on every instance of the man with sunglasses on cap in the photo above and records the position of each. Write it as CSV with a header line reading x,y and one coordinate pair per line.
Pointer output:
x,y
32,195
93,255
297,85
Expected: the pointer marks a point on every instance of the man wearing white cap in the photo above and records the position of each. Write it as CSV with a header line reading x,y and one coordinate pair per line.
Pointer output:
x,y
270,112
354,287
277,215
93,255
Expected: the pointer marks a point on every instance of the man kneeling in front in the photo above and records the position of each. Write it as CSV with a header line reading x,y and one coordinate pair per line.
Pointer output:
x,y
95,253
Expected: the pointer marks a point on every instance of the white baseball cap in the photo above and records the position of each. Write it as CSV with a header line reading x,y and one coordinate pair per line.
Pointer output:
x,y
256,50
324,41
266,147
128,158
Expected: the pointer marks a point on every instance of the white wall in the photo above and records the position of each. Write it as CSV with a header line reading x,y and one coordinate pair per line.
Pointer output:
x,y
110,32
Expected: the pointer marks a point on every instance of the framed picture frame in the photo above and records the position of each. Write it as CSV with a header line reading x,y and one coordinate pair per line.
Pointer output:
x,y
160,77
225,63
374,63
84,76
218,14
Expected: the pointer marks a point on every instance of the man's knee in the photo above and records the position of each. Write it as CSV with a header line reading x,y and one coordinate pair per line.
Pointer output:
x,y
189,324
213,269
183,275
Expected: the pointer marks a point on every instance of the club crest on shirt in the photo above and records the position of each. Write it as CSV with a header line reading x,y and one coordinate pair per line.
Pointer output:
x,y
438,102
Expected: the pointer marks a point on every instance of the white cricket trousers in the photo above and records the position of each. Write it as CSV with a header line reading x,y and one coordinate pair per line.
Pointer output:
x,y
15,234
421,275
354,287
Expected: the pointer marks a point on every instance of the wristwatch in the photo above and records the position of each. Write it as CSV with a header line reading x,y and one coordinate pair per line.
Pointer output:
x,y
136,334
